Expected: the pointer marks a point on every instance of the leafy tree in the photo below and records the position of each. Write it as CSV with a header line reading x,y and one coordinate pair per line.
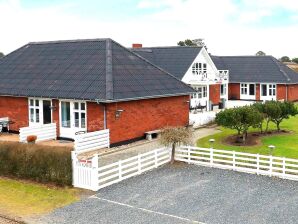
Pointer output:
x,y
240,119
260,53
1,54
285,59
262,110
281,111
187,42
173,136
295,60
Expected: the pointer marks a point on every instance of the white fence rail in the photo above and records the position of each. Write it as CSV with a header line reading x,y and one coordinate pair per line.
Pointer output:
x,y
89,175
238,161
92,140
200,119
43,132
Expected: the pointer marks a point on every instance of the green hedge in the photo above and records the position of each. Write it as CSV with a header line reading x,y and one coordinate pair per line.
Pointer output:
x,y
36,162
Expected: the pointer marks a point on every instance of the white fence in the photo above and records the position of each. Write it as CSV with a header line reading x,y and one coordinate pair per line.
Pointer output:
x,y
238,161
92,140
43,132
238,103
89,175
200,119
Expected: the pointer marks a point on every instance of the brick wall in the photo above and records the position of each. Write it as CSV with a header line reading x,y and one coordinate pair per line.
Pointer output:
x,y
16,108
146,115
293,92
95,117
214,93
55,114
234,91
281,92
258,89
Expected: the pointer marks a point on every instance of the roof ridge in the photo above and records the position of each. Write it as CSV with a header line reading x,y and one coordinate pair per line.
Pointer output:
x,y
144,59
69,41
281,69
166,47
241,56
109,70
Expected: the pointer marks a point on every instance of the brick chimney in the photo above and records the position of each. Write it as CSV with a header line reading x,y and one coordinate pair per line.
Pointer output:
x,y
137,45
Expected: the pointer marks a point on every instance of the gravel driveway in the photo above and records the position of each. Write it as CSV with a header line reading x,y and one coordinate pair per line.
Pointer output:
x,y
183,193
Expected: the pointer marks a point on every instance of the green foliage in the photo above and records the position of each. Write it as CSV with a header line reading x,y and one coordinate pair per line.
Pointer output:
x,y
280,111
240,119
260,53
285,59
39,163
295,60
187,42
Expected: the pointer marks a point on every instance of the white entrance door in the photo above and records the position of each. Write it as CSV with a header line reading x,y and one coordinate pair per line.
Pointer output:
x,y
72,118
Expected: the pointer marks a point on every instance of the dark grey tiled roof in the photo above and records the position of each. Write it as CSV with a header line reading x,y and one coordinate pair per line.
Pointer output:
x,y
255,69
175,60
98,69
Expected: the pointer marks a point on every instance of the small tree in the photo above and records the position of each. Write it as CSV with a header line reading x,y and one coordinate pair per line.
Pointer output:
x,y
239,118
173,136
295,60
260,53
1,54
285,59
281,111
187,42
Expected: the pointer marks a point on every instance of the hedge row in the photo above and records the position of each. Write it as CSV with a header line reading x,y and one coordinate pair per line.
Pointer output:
x,y
36,162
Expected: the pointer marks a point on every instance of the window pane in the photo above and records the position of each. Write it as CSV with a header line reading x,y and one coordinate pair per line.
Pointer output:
x,y
82,106
37,115
251,89
76,106
77,119
264,90
31,103
31,115
37,103
83,120
65,114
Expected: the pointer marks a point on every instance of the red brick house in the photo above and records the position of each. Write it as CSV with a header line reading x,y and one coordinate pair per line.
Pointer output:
x,y
255,78
89,85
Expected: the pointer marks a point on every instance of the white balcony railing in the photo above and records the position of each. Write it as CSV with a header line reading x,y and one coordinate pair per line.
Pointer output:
x,y
221,75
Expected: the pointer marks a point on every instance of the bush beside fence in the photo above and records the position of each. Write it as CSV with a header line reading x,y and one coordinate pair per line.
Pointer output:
x,y
40,163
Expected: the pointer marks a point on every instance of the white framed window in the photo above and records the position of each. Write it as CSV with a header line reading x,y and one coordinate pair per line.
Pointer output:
x,y
34,110
198,68
201,91
204,91
79,112
223,89
272,90
244,89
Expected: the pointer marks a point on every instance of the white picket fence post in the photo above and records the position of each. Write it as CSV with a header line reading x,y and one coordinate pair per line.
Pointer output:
x,y
234,160
74,168
258,164
270,166
211,156
94,172
283,167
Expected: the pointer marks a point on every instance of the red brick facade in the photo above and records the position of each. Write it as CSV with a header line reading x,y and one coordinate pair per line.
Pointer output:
x,y
16,108
214,93
146,115
137,118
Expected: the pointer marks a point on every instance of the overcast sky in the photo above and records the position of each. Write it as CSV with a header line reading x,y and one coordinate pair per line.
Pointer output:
x,y
229,27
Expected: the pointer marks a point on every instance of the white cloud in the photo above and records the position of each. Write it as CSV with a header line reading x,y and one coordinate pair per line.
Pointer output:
x,y
226,30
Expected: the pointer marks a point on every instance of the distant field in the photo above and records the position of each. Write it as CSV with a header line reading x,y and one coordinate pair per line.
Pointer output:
x,y
294,67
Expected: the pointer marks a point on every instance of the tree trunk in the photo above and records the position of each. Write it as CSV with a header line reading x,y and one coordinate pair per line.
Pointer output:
x,y
173,153
244,136
278,128
267,125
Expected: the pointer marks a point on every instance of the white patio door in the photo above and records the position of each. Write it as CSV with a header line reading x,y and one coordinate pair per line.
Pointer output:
x,y
72,118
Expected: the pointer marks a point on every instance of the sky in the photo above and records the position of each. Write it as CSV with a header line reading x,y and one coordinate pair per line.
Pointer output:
x,y
228,27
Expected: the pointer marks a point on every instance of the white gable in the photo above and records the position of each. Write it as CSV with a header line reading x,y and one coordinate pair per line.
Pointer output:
x,y
202,57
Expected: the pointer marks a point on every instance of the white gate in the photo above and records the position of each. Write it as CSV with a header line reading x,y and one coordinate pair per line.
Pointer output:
x,y
239,161
92,140
90,175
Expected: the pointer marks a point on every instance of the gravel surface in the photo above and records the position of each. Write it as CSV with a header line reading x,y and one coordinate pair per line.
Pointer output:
x,y
183,193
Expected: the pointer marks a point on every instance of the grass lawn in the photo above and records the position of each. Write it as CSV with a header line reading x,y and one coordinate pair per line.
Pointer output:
x,y
22,198
286,145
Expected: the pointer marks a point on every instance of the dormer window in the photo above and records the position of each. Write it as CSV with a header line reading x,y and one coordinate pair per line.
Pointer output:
x,y
199,68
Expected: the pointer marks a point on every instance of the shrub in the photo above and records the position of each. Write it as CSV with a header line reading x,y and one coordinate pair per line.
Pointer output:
x,y
36,162
31,138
